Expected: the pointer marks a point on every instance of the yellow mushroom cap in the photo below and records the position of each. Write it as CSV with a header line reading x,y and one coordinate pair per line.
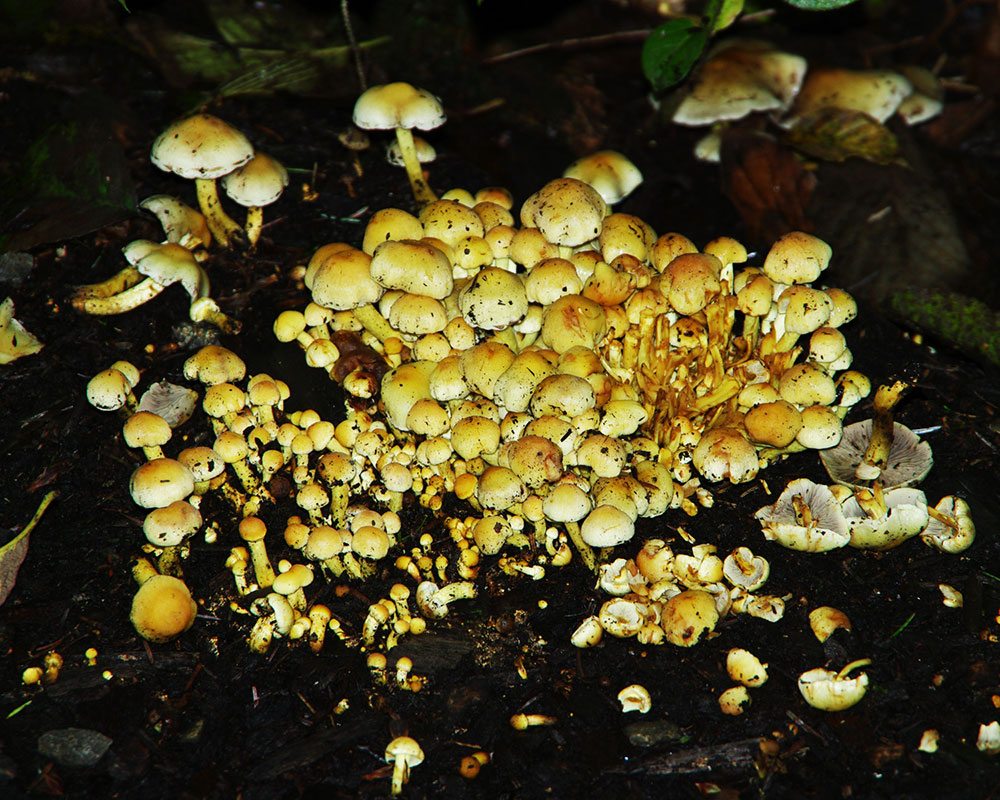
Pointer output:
x,y
160,482
162,609
609,172
200,146
398,105
259,182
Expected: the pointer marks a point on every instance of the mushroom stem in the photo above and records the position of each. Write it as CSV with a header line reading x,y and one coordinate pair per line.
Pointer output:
x,y
861,662
223,227
374,323
254,225
205,309
422,193
119,303
117,283
585,550
877,454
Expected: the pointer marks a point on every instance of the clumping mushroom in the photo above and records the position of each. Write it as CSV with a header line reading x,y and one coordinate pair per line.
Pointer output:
x,y
834,691
162,609
567,211
745,668
740,77
609,172
170,525
401,107
203,148
147,430
734,700
688,616
797,257
726,453
111,389
258,183
806,516
403,752
881,520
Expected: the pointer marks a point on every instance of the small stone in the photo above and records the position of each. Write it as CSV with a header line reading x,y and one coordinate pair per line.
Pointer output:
x,y
73,747
15,268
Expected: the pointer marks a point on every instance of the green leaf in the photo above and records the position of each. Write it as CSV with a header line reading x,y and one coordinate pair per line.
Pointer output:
x,y
670,51
819,5
722,13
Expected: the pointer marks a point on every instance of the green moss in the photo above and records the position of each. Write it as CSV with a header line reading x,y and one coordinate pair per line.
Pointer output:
x,y
964,322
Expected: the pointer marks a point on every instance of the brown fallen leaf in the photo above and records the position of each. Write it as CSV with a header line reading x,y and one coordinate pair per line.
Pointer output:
x,y
766,182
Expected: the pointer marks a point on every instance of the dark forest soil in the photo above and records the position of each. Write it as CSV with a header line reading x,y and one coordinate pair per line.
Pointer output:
x,y
202,717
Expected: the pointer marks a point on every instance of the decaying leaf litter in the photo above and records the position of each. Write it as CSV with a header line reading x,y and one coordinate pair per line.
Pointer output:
x,y
500,631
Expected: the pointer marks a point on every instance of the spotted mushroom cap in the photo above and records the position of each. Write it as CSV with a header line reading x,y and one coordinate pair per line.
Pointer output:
x,y
201,146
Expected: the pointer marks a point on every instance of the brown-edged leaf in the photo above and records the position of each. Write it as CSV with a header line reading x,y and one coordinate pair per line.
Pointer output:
x,y
836,134
12,554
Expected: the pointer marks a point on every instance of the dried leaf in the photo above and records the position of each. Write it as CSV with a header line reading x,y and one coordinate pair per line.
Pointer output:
x,y
767,184
12,554
835,134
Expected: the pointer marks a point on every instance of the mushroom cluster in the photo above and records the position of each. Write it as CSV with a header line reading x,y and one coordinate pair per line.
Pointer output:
x,y
202,148
873,504
660,596
741,77
573,374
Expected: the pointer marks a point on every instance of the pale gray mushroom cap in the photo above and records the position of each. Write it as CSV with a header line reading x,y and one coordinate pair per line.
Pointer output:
x,y
201,146
909,460
174,403
782,522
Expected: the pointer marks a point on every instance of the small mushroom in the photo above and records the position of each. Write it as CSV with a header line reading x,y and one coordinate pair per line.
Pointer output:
x,y
402,107
834,691
806,516
403,752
